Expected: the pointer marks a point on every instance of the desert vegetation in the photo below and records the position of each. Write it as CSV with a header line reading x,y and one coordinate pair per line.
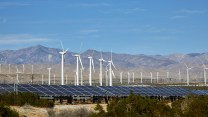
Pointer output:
x,y
138,106
24,98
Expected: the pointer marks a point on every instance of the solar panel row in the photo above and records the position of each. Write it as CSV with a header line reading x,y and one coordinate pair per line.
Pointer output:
x,y
200,92
66,90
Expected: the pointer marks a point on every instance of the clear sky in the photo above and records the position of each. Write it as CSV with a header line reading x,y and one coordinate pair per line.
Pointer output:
x,y
125,26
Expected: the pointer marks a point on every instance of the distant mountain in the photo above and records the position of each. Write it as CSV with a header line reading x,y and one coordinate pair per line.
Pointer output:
x,y
43,55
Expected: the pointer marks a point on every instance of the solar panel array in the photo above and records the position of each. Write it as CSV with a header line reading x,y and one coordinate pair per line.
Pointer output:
x,y
200,92
68,90
147,91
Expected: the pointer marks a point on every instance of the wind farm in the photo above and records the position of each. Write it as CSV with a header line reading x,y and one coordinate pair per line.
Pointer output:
x,y
91,73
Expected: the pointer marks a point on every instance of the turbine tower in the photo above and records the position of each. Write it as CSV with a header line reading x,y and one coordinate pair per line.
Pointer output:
x,y
128,76
101,70
187,73
63,52
151,77
133,77
121,75
179,75
49,76
110,64
141,78
205,74
17,77
77,72
91,65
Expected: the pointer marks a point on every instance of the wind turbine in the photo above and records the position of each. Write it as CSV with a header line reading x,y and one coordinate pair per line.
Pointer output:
x,y
17,77
179,75
187,73
32,69
157,76
77,72
121,75
110,64
205,68
54,79
133,77
101,70
106,76
141,77
23,68
42,79
9,68
128,76
49,76
91,65
63,52
151,77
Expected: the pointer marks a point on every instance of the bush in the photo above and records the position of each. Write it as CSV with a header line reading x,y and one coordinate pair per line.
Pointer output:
x,y
25,98
134,106
7,112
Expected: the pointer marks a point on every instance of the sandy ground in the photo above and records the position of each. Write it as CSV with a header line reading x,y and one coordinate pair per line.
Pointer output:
x,y
30,111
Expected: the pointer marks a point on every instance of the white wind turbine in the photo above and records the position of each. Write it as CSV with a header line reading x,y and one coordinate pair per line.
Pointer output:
x,y
63,52
110,64
49,76
91,65
17,77
133,77
205,74
205,71
168,77
77,72
141,77
179,75
121,77
187,73
106,76
101,70
23,68
128,76
151,77
157,76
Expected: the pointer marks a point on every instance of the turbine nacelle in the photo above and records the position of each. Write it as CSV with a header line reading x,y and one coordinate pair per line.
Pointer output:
x,y
62,53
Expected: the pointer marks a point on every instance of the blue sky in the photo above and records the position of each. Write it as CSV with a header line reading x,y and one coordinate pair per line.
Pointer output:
x,y
125,26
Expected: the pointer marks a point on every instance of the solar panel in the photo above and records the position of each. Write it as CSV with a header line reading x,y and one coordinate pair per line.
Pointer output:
x,y
68,90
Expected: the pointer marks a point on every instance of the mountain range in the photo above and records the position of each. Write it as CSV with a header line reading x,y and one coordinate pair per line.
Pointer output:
x,y
43,55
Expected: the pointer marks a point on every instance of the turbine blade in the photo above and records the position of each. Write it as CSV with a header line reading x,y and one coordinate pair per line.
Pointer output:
x,y
62,45
113,65
81,62
93,66
113,74
185,65
66,50
107,67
